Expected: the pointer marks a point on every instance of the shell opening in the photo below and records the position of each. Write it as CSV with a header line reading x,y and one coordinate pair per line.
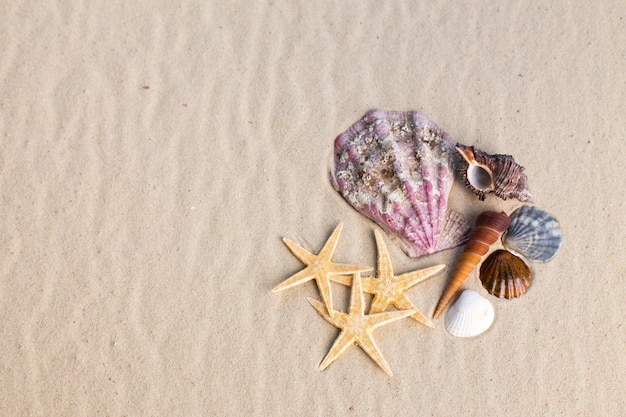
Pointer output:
x,y
480,177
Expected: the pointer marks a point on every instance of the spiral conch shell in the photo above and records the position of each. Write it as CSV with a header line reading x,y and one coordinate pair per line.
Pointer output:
x,y
499,174
505,275
489,227
471,315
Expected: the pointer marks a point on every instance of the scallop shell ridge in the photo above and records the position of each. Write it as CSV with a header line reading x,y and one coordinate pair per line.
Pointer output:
x,y
534,234
397,168
505,275
471,315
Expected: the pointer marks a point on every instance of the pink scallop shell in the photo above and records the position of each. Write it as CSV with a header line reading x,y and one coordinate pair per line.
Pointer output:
x,y
397,168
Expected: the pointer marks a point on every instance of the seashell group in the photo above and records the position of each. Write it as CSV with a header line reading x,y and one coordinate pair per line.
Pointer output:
x,y
489,227
505,275
534,233
397,168
499,174
471,315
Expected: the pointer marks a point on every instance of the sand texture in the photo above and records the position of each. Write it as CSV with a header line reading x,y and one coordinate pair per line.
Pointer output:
x,y
154,154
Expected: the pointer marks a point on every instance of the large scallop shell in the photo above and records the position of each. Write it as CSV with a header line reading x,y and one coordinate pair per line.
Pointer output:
x,y
397,169
534,234
505,275
500,174
471,315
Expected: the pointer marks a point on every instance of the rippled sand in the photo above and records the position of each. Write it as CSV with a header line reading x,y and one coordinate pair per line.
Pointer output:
x,y
153,155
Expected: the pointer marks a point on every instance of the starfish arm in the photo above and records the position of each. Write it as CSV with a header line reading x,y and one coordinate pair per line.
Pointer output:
x,y
419,316
380,319
343,341
357,305
320,307
378,304
370,284
296,279
342,269
413,278
300,253
341,279
331,243
405,304
368,344
384,269
323,285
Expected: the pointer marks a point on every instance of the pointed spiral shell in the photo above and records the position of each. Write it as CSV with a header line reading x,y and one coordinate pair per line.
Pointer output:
x,y
489,227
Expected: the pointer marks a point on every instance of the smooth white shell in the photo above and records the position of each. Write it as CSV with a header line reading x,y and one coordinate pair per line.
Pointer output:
x,y
471,315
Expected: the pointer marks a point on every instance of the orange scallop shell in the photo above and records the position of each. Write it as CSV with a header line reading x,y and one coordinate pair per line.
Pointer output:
x,y
489,226
505,275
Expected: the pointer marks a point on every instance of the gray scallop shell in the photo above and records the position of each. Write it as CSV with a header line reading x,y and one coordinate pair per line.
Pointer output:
x,y
534,234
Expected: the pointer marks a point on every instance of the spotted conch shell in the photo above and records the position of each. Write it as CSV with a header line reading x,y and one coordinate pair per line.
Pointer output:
x,y
499,174
397,169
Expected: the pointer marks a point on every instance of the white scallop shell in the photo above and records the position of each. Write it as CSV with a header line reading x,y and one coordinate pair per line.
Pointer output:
x,y
533,233
471,315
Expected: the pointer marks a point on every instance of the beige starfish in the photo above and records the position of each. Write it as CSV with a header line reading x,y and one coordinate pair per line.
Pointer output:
x,y
319,267
388,288
356,327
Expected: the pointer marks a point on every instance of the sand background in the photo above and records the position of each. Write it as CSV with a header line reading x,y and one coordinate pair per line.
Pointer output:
x,y
153,155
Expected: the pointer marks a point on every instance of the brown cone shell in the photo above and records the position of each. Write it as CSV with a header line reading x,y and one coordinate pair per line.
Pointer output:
x,y
505,275
499,174
489,227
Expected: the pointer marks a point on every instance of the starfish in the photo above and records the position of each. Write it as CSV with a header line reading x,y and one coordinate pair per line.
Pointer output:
x,y
319,267
357,327
388,288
